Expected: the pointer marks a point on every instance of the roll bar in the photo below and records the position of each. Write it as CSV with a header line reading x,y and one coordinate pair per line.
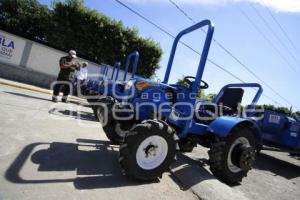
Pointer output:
x,y
135,55
115,67
241,85
204,53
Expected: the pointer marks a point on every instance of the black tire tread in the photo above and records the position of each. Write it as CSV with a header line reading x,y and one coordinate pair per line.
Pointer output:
x,y
125,149
109,127
217,154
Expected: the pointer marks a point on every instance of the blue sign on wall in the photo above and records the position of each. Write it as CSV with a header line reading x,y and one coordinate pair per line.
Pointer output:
x,y
7,47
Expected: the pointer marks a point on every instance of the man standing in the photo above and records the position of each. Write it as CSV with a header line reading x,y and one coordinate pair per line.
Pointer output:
x,y
65,76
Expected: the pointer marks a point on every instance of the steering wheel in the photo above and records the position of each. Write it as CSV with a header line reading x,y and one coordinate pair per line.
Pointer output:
x,y
191,79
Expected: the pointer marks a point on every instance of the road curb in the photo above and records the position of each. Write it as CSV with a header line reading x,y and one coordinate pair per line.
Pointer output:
x,y
30,87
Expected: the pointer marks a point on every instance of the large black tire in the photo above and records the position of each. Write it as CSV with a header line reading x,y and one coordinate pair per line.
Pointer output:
x,y
115,130
103,103
93,96
219,158
161,139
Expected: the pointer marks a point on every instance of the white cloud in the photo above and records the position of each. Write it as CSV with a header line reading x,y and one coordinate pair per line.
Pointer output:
x,y
283,5
277,5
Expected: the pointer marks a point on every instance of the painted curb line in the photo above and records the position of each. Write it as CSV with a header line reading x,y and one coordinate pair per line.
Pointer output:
x,y
30,88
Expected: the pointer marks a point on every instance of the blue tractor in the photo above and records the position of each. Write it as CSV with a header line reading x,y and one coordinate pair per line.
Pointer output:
x,y
116,87
97,90
93,86
155,120
279,132
106,86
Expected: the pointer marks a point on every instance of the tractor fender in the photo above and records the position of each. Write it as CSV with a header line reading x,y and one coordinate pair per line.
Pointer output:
x,y
222,126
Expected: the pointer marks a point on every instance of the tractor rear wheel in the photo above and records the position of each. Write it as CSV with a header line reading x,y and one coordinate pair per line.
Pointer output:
x,y
232,157
148,150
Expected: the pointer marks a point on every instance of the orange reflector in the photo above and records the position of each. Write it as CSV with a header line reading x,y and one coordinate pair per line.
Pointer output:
x,y
141,85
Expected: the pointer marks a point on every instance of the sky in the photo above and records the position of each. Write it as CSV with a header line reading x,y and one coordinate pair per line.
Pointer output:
x,y
257,41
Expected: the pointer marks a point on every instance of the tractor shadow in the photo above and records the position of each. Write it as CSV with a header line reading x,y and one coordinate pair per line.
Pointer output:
x,y
277,166
187,172
81,115
94,162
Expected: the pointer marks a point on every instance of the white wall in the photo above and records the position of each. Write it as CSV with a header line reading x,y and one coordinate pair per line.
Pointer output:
x,y
11,48
46,60
42,58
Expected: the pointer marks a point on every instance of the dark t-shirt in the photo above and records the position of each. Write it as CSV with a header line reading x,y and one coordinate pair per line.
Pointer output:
x,y
68,73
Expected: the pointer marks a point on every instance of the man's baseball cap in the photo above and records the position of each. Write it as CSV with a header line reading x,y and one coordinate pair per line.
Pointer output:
x,y
73,53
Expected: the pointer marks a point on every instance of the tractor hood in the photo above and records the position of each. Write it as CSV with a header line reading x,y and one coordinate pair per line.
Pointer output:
x,y
142,83
135,86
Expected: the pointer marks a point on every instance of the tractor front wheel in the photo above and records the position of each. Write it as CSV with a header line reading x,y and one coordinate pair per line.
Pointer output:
x,y
148,150
232,157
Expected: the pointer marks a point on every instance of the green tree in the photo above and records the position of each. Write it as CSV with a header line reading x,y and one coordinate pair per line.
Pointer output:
x,y
100,38
71,25
283,110
26,18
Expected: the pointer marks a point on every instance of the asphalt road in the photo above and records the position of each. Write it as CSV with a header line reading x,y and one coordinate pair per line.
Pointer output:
x,y
50,150
276,175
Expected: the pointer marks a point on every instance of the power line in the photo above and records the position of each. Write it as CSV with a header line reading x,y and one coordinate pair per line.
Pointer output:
x,y
183,43
274,34
282,30
234,57
169,34
267,39
189,47
183,12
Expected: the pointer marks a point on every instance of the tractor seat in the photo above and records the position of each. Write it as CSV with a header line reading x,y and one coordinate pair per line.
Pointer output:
x,y
227,104
231,98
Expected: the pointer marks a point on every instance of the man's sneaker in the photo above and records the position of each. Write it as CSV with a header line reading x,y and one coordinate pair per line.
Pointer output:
x,y
64,100
54,99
